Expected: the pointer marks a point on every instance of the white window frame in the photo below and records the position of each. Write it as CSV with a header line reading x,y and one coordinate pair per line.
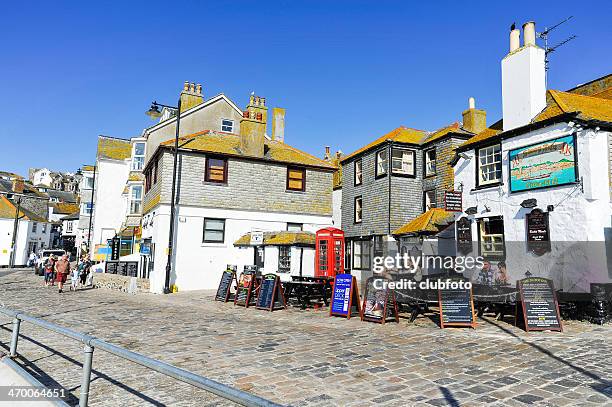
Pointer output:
x,y
222,230
295,227
284,259
358,172
84,208
69,226
88,182
138,159
224,126
489,160
135,203
430,163
407,158
382,162
428,203
491,245
358,215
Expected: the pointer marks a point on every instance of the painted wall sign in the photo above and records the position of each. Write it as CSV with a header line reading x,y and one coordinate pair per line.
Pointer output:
x,y
539,304
345,297
464,235
546,164
453,201
538,234
456,307
115,248
379,305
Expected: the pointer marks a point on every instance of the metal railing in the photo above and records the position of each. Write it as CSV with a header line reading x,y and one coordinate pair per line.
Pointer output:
x,y
91,343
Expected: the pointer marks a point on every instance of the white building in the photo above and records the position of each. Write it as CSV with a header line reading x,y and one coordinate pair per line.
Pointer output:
x,y
541,174
229,185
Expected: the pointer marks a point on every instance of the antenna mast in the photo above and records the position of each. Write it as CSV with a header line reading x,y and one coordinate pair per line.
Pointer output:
x,y
548,50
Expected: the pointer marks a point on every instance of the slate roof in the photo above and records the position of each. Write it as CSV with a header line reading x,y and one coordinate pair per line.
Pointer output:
x,y
8,210
429,222
228,144
63,196
114,148
400,135
558,103
282,238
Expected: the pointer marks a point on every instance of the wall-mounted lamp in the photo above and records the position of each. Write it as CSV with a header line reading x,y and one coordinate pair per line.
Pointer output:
x,y
472,210
550,208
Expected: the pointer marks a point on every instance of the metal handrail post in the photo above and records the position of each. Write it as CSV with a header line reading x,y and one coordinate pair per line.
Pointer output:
x,y
86,380
15,336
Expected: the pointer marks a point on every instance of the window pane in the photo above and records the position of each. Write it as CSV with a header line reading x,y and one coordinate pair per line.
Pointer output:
x,y
293,184
137,192
215,224
296,174
139,149
213,235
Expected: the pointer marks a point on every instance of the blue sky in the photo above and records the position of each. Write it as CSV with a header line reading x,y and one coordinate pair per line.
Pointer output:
x,y
346,71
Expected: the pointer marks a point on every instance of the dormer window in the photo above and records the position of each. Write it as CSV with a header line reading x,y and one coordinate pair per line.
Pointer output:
x,y
138,156
227,125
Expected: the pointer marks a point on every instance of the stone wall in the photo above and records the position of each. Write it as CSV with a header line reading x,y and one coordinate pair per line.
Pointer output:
x,y
118,282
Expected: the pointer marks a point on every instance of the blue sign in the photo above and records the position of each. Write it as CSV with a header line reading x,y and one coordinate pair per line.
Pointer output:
x,y
341,298
145,249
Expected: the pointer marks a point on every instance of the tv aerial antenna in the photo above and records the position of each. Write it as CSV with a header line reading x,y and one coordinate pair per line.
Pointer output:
x,y
548,49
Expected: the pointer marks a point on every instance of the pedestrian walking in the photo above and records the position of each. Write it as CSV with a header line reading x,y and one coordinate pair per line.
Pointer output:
x,y
49,266
62,268
32,260
85,268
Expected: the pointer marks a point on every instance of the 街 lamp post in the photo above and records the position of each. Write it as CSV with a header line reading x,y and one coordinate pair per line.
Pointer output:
x,y
154,113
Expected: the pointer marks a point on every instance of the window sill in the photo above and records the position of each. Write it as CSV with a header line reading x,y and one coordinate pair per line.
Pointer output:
x,y
295,191
487,186
430,175
213,244
378,176
217,184
399,174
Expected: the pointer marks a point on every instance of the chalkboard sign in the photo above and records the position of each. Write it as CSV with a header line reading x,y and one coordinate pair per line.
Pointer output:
x,y
538,237
539,304
456,307
122,268
464,235
225,285
270,295
379,304
345,297
111,267
244,292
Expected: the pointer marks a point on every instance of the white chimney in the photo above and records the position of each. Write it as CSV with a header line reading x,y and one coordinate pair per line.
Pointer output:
x,y
523,80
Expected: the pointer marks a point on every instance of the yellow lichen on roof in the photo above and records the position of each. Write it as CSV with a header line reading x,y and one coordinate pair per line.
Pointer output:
x,y
88,168
64,208
229,144
282,238
484,135
136,176
588,107
429,222
114,148
400,135
8,209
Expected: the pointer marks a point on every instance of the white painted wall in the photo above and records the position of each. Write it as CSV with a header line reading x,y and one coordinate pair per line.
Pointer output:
x,y
577,216
110,205
199,265
337,208
523,86
24,236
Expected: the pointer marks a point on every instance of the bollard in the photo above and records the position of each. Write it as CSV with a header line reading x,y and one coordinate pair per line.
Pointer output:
x,y
15,337
84,396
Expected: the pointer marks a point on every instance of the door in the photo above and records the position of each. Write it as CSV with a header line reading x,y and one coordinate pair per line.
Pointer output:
x,y
259,256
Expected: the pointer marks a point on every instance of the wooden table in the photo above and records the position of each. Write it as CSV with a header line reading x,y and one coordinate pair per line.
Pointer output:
x,y
305,289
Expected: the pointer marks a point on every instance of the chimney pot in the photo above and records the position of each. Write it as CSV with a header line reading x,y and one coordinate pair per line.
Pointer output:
x,y
472,103
199,89
186,86
515,39
529,33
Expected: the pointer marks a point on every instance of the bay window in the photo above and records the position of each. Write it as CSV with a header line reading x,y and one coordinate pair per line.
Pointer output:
x,y
135,199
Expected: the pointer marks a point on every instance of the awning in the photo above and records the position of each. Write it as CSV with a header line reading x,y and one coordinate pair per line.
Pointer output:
x,y
282,238
431,222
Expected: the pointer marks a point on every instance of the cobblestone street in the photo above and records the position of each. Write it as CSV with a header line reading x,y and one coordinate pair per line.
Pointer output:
x,y
302,358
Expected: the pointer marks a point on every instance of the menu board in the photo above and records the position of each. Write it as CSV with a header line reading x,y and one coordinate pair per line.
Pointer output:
x,y
132,268
115,248
225,285
379,304
464,235
456,308
345,297
539,304
111,267
244,291
270,295
452,201
122,268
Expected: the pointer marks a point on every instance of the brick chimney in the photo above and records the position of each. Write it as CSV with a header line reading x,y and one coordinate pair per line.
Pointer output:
x,y
327,155
18,185
191,95
253,127
474,120
523,79
278,124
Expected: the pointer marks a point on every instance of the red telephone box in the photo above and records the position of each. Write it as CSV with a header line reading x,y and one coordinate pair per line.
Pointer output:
x,y
329,256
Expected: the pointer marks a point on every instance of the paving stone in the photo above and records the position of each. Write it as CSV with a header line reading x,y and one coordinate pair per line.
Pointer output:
x,y
301,358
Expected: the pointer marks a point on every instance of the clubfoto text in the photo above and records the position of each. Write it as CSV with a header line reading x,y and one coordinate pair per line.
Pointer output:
x,y
427,284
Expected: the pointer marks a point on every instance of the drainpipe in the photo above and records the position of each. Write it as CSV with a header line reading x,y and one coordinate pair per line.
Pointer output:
x,y
15,229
